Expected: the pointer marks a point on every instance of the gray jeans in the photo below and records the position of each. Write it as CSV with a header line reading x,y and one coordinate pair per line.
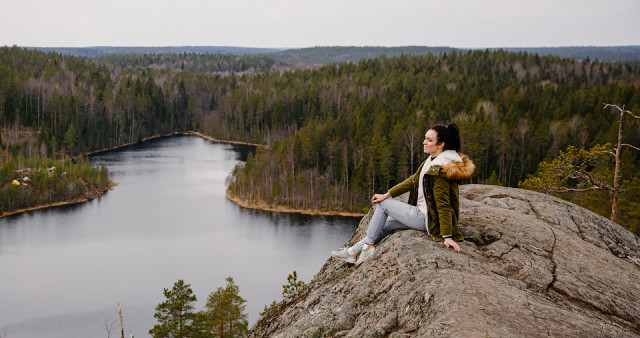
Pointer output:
x,y
392,215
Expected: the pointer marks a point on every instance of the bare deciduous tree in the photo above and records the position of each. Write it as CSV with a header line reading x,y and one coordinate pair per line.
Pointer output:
x,y
574,123
617,151
555,129
521,132
109,325
121,321
583,137
410,137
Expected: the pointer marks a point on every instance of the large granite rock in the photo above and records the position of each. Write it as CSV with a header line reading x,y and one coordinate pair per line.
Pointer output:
x,y
533,265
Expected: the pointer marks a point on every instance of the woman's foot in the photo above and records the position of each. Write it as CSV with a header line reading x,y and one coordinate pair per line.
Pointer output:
x,y
367,251
344,255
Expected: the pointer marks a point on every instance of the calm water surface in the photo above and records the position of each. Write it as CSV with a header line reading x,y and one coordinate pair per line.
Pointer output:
x,y
64,270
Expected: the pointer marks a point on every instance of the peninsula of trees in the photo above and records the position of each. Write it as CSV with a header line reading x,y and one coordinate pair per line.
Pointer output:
x,y
333,134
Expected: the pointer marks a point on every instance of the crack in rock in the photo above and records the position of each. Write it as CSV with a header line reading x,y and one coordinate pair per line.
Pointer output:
x,y
573,219
553,261
533,313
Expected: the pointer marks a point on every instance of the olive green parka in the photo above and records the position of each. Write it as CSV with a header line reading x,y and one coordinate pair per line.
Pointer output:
x,y
441,194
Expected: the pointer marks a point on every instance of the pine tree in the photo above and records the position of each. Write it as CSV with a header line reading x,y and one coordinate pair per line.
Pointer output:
x,y
225,311
175,315
293,285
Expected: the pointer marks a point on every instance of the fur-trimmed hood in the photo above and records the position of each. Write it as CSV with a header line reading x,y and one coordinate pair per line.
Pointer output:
x,y
459,170
449,163
456,166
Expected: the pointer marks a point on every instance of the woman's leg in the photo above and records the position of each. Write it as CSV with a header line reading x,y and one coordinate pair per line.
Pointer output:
x,y
391,215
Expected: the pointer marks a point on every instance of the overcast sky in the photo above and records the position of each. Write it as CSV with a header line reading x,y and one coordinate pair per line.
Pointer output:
x,y
307,23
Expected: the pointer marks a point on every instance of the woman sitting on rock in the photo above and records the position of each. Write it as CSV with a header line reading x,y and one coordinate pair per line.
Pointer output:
x,y
433,200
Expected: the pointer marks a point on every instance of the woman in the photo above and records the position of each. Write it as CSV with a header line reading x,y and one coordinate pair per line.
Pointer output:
x,y
433,204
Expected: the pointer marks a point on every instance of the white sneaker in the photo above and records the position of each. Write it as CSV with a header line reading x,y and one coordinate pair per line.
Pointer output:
x,y
344,255
366,253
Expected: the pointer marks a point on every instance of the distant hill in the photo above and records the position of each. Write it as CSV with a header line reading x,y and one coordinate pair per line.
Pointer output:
x,y
608,54
106,50
354,54
339,54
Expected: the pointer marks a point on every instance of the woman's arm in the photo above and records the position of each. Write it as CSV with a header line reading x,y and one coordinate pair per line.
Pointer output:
x,y
401,188
451,243
441,188
377,198
396,190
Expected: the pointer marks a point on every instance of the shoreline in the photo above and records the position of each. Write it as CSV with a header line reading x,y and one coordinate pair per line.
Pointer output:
x,y
213,139
241,203
265,207
184,133
109,186
104,150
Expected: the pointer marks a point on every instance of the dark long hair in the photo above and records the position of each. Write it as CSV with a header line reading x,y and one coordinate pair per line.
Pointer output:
x,y
450,135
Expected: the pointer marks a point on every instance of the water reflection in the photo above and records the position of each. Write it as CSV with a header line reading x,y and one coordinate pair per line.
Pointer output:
x,y
168,219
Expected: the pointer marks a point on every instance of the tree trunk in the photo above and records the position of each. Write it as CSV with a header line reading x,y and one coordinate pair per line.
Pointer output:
x,y
121,321
616,172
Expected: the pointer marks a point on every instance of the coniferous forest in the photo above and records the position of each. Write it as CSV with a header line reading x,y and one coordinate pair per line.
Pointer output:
x,y
334,134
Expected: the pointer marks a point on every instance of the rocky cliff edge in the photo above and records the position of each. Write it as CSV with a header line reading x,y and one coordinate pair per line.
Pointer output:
x,y
533,265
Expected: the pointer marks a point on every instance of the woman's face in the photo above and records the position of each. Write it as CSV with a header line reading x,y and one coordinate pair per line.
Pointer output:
x,y
430,143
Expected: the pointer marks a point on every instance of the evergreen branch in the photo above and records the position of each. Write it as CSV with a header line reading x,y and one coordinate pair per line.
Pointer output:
x,y
592,180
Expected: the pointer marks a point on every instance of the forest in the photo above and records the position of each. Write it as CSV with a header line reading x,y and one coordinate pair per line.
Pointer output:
x,y
112,50
340,54
333,135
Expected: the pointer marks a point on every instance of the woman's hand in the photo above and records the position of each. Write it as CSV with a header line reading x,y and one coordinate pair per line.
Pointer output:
x,y
451,243
377,198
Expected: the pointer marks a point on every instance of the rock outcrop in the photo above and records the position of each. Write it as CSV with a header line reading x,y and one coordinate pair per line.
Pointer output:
x,y
533,265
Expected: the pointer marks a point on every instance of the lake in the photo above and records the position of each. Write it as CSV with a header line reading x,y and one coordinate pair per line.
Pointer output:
x,y
63,270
